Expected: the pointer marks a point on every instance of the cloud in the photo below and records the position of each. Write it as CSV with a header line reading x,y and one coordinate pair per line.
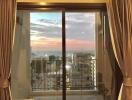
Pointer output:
x,y
46,43
80,17
56,43
80,32
45,27
45,22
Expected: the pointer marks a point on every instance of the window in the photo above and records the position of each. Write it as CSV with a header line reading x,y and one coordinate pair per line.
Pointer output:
x,y
46,50
49,41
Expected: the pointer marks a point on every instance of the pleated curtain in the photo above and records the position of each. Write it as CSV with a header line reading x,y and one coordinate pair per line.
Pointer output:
x,y
7,26
120,22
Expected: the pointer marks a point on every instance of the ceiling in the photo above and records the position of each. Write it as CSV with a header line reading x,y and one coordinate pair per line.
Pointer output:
x,y
64,1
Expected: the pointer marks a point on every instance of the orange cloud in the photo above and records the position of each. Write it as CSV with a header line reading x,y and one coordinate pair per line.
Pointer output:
x,y
56,44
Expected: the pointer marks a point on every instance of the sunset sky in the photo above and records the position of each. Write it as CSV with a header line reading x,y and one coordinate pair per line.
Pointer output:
x,y
46,31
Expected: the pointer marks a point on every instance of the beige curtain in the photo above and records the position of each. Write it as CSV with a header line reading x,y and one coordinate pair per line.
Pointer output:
x,y
7,25
120,20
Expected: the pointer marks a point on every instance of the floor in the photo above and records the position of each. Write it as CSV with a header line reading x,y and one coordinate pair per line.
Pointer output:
x,y
75,97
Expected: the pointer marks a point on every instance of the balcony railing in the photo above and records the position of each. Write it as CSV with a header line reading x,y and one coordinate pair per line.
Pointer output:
x,y
47,74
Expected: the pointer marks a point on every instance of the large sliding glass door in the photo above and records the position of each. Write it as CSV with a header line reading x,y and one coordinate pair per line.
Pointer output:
x,y
64,53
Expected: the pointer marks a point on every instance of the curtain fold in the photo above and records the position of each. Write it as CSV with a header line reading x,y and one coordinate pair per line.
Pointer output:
x,y
120,20
7,27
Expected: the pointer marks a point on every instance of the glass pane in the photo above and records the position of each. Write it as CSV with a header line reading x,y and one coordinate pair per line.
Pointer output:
x,y
46,52
81,55
81,51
